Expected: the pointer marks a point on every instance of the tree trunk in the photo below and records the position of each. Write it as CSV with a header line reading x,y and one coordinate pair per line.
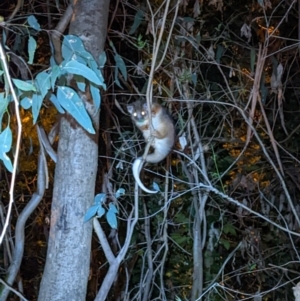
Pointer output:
x,y
68,257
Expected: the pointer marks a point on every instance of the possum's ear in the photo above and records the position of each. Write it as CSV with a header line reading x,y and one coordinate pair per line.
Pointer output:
x,y
130,109
145,107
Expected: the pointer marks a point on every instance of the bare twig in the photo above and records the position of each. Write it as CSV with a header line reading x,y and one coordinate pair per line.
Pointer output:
x,y
13,290
18,142
20,226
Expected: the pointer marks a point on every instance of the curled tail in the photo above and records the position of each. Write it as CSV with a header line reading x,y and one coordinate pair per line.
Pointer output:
x,y
136,169
158,155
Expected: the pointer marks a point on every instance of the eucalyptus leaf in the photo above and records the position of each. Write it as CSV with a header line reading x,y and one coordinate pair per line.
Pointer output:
x,y
56,72
33,22
93,65
120,192
95,96
74,67
56,104
155,186
220,52
73,49
70,46
100,211
99,198
92,211
121,65
26,103
117,82
112,218
194,79
31,49
5,146
138,18
7,162
3,106
43,82
113,208
102,59
37,101
5,140
71,102
23,85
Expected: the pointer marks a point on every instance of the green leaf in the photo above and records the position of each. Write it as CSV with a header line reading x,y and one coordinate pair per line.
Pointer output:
x,y
5,146
93,65
229,228
31,49
37,101
73,49
56,104
99,198
120,192
225,243
111,216
75,67
181,218
55,73
140,43
188,19
121,65
3,106
97,209
252,267
194,79
92,211
155,186
220,52
23,85
43,82
138,18
32,21
100,211
26,103
102,59
113,208
7,162
71,102
18,44
117,82
5,140
95,96
179,239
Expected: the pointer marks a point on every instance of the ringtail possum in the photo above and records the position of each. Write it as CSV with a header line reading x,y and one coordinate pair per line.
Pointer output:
x,y
163,131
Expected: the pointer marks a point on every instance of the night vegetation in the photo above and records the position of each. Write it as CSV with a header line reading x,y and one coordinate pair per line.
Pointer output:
x,y
225,222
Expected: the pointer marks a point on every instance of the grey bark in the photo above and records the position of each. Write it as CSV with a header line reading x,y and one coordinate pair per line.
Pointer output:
x,y
67,264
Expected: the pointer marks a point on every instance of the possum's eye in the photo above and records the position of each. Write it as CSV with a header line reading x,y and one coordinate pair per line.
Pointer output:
x,y
143,113
134,114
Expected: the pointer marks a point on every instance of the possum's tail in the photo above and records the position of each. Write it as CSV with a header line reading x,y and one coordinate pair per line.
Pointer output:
x,y
136,169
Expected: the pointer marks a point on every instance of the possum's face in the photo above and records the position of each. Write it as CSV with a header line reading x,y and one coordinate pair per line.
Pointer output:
x,y
139,113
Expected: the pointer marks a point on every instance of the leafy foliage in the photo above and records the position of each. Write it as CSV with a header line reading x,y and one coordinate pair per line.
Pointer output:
x,y
228,74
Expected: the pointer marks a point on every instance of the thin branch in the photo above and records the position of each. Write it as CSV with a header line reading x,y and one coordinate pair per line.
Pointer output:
x,y
114,262
18,142
13,290
20,226
149,275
